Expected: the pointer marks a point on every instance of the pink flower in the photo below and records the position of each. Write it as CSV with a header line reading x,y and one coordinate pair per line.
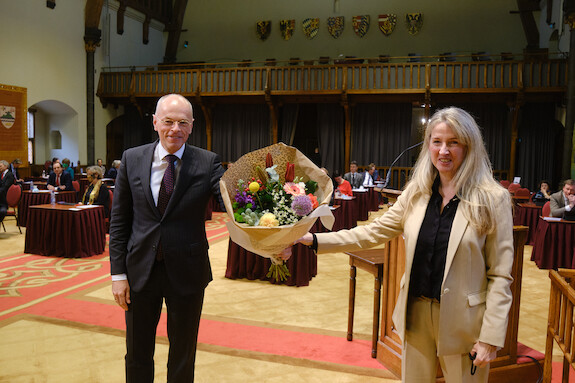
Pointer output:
x,y
293,189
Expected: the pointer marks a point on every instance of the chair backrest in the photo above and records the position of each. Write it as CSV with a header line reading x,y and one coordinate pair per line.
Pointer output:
x,y
513,188
504,183
13,195
523,192
546,209
76,186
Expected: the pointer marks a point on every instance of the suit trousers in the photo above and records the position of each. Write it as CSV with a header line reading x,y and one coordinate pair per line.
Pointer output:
x,y
420,360
182,324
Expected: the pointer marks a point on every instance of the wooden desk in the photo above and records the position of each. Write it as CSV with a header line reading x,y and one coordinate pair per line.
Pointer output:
x,y
371,261
348,213
65,231
362,204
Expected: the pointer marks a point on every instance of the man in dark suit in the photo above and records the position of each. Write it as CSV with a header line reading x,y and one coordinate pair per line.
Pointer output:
x,y
158,245
6,180
353,177
59,180
562,203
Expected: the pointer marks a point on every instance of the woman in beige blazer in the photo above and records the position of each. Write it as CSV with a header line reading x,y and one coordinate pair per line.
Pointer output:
x,y
455,295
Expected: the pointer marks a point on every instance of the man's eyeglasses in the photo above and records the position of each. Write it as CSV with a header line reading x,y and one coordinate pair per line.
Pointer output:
x,y
182,123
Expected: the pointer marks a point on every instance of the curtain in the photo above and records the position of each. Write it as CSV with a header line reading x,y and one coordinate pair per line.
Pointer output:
x,y
198,137
330,133
288,123
239,129
380,132
537,148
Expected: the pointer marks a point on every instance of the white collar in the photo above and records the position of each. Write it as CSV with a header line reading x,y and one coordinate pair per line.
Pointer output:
x,y
161,152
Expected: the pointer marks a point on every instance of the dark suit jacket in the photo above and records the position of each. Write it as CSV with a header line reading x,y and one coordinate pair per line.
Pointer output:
x,y
355,184
136,226
5,184
65,179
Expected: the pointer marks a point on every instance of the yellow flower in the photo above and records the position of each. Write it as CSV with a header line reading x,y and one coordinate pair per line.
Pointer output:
x,y
269,220
254,187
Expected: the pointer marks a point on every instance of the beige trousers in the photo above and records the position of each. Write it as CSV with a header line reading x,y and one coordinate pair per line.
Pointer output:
x,y
419,363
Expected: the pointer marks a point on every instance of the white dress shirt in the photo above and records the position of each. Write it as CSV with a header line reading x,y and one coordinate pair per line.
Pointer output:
x,y
367,180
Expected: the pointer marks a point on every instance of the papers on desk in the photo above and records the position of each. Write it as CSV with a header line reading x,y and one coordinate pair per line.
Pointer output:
x,y
552,219
345,197
360,190
86,206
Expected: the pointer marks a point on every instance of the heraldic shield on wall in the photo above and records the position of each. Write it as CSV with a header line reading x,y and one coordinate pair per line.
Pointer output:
x,y
413,22
361,25
263,29
7,116
310,27
335,26
286,28
387,23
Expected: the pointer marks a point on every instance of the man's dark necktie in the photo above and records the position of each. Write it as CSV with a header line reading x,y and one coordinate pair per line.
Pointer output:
x,y
166,189
167,186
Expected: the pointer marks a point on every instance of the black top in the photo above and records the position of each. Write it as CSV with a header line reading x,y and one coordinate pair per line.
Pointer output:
x,y
102,199
431,249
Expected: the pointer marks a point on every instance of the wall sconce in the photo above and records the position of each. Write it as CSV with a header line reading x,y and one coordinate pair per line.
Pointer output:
x,y
186,44
51,3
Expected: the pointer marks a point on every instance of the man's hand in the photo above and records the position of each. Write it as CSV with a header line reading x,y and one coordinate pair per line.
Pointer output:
x,y
121,291
484,353
50,187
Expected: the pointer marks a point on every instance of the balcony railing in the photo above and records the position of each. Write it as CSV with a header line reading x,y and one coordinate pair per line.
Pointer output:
x,y
373,78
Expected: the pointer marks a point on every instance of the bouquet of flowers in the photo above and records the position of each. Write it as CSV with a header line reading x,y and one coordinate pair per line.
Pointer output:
x,y
274,195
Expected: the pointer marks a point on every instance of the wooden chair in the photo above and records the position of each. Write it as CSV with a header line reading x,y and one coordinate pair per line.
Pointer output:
x,y
13,199
522,195
505,183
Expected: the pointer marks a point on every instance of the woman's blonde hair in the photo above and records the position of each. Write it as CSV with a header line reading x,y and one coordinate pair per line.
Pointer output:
x,y
479,193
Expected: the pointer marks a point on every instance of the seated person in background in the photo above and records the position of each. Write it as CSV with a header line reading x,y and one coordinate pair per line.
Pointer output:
x,y
562,203
6,180
343,186
101,165
67,167
113,171
353,177
543,194
97,192
375,174
59,180
368,179
14,170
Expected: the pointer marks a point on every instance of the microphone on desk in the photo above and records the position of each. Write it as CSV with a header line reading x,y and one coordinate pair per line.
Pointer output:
x,y
395,161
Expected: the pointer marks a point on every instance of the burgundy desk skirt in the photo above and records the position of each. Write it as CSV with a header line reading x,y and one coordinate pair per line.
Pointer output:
x,y
362,205
39,198
373,195
554,245
64,231
349,214
527,215
302,265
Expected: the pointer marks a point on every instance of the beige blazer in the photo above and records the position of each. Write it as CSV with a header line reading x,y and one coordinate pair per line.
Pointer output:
x,y
476,295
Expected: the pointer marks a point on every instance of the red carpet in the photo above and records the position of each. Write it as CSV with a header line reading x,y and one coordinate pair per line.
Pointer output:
x,y
51,287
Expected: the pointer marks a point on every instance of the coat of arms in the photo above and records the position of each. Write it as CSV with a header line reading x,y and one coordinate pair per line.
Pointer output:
x,y
361,25
387,23
335,26
310,27
413,22
7,115
287,27
263,29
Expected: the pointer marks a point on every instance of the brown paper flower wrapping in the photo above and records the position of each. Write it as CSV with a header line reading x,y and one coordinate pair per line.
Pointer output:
x,y
270,241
